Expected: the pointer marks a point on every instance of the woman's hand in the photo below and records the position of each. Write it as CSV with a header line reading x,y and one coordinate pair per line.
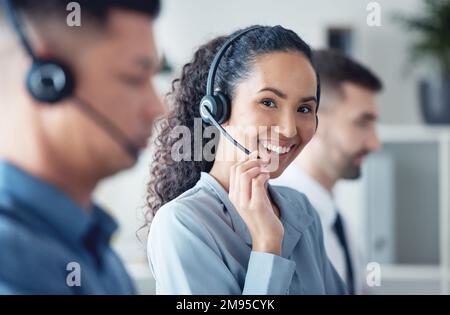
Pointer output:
x,y
248,193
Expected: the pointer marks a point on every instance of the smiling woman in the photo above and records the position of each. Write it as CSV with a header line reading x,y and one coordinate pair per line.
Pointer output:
x,y
217,227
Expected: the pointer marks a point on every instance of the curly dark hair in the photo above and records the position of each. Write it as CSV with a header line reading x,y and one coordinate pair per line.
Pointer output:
x,y
169,179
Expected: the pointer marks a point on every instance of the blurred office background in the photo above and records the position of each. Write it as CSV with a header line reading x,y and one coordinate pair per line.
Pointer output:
x,y
400,207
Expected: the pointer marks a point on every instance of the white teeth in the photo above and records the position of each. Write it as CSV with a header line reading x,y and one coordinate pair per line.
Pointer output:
x,y
276,149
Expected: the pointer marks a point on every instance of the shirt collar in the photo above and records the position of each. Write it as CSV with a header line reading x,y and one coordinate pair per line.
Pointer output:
x,y
52,206
238,223
295,218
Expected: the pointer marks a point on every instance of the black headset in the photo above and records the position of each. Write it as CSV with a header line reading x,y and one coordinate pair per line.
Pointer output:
x,y
215,106
49,81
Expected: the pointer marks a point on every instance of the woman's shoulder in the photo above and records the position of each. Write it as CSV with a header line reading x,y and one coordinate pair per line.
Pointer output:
x,y
192,218
196,206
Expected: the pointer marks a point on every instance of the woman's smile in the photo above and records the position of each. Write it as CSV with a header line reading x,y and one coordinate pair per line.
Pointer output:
x,y
276,149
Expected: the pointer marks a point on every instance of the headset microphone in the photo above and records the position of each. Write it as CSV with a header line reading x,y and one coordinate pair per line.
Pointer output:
x,y
109,127
224,132
50,81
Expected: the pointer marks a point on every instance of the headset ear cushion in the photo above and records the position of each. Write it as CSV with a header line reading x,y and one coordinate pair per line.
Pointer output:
x,y
49,81
223,107
208,102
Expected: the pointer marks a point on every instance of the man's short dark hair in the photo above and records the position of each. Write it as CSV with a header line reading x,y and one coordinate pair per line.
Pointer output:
x,y
335,68
96,9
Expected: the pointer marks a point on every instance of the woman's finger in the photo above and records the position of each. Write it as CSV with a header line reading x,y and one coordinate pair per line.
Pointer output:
x,y
251,162
234,176
245,185
231,185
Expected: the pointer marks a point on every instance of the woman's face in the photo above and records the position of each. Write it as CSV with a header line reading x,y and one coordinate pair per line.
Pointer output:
x,y
274,109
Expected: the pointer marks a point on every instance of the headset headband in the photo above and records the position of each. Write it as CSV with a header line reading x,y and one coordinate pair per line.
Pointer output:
x,y
14,18
218,57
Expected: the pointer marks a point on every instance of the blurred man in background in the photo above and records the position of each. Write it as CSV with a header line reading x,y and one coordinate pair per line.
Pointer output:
x,y
346,134
77,105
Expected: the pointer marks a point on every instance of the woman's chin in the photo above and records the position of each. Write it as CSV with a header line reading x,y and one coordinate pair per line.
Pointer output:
x,y
278,163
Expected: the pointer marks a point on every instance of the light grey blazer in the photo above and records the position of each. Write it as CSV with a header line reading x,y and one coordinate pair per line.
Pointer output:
x,y
199,244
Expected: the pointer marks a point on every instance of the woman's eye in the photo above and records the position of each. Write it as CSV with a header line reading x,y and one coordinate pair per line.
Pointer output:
x,y
268,103
304,109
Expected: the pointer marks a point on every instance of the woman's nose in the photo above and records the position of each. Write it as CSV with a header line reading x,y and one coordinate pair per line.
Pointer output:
x,y
287,126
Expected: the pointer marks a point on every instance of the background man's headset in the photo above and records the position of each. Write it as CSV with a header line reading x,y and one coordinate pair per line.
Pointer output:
x,y
215,106
50,81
